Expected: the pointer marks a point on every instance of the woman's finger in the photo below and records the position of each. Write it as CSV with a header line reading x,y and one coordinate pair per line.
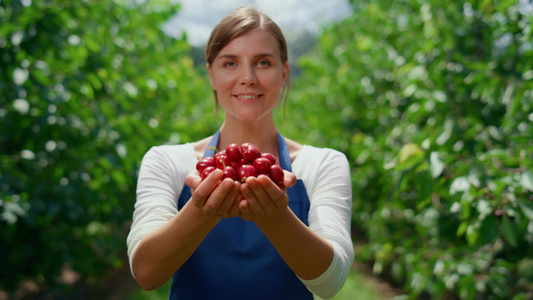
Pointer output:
x,y
277,198
289,179
218,196
258,190
244,210
201,194
193,179
253,204
229,200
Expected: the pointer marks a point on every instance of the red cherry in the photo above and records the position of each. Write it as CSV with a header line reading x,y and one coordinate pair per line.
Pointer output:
x,y
269,156
245,172
207,171
222,161
234,152
218,153
251,153
204,163
262,165
229,172
237,165
244,146
277,175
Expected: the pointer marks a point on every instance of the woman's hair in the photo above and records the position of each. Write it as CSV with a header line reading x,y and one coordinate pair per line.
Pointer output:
x,y
241,21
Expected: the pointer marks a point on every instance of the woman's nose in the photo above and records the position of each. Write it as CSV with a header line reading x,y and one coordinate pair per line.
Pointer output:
x,y
248,76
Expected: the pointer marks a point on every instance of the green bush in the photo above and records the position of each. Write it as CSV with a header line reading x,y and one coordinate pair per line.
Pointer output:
x,y
433,103
86,89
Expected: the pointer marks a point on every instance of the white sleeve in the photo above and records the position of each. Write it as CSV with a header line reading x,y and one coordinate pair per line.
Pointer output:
x,y
330,193
160,181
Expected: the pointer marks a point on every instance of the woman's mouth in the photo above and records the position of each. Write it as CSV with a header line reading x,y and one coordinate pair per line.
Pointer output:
x,y
247,97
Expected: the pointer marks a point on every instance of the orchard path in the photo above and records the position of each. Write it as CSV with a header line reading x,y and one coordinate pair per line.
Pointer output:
x,y
119,283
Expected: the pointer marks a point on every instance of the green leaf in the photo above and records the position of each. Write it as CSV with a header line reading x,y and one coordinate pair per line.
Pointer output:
x,y
460,184
410,155
472,235
488,232
424,189
510,231
437,166
461,230
526,207
466,209
6,29
526,180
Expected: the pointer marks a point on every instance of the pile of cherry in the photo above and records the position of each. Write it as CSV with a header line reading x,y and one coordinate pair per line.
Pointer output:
x,y
240,162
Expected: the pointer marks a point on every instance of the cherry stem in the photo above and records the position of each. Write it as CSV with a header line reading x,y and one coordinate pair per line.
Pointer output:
x,y
214,148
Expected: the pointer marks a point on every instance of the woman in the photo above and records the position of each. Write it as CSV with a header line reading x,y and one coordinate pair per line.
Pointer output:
x,y
250,240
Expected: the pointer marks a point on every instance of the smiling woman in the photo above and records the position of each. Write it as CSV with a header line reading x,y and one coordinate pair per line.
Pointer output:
x,y
247,77
251,239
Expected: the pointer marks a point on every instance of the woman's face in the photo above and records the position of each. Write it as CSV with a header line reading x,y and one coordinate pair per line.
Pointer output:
x,y
248,76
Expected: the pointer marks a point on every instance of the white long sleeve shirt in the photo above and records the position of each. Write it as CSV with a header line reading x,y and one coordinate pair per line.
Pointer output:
x,y
325,173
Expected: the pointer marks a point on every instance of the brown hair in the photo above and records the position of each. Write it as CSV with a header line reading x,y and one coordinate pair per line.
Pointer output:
x,y
241,21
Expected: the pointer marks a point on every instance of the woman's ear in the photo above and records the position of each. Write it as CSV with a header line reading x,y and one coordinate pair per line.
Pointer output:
x,y
211,78
285,75
212,81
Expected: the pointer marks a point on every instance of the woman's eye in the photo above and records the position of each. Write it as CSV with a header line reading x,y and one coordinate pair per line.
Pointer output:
x,y
230,64
264,62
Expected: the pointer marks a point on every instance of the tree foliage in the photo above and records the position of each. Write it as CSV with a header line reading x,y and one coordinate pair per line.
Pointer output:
x,y
86,88
432,102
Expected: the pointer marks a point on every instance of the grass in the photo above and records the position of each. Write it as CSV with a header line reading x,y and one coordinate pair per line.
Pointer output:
x,y
157,294
356,287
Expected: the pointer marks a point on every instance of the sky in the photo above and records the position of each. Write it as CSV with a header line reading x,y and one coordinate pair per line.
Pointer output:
x,y
198,17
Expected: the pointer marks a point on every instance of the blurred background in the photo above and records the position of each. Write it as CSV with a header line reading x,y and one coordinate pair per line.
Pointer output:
x,y
431,101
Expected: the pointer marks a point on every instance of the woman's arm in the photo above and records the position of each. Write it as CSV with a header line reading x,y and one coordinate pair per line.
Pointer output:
x,y
164,251
321,254
306,253
170,237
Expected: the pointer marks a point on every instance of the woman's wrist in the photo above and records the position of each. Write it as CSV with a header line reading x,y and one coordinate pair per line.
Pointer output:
x,y
196,213
278,222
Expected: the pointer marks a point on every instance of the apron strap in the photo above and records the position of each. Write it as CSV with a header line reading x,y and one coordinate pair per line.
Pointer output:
x,y
284,156
213,143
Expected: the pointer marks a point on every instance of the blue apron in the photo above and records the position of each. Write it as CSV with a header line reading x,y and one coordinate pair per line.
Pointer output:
x,y
236,261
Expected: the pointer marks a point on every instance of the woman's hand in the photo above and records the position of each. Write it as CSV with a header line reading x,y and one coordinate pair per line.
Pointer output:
x,y
263,198
214,196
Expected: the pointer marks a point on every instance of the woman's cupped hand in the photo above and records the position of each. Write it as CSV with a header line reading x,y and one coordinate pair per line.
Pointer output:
x,y
256,198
